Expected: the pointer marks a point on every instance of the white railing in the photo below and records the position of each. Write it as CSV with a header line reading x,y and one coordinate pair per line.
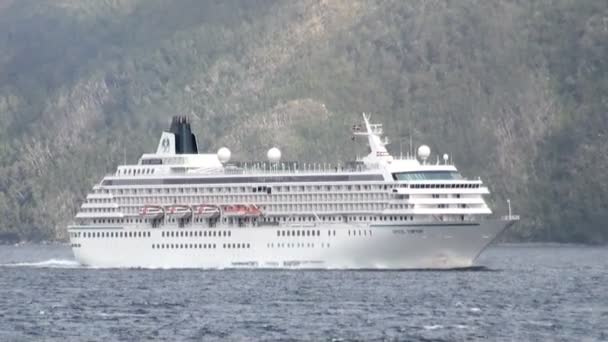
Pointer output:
x,y
319,168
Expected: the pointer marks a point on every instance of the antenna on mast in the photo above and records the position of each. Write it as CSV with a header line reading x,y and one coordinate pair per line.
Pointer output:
x,y
411,153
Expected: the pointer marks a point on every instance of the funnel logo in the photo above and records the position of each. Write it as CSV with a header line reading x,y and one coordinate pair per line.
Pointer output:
x,y
165,144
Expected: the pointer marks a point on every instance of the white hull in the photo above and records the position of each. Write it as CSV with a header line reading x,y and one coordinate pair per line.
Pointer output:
x,y
415,246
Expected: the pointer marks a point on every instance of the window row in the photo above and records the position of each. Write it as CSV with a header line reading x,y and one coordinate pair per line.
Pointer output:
x,y
307,232
275,219
184,246
401,206
445,186
100,200
387,218
236,245
264,189
327,198
134,172
129,220
197,233
360,232
292,245
112,234
336,206
99,210
337,218
298,232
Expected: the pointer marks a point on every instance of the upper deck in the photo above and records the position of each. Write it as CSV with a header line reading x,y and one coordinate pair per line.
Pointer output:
x,y
177,161
374,186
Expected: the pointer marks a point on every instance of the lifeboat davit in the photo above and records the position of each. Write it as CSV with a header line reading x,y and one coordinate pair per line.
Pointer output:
x,y
254,211
206,210
151,211
178,211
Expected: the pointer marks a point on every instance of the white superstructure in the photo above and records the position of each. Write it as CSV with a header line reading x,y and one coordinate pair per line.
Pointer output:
x,y
177,208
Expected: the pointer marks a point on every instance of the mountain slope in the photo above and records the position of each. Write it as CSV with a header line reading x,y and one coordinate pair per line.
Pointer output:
x,y
514,91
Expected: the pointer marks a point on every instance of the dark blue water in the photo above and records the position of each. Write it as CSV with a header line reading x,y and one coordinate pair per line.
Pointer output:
x,y
525,293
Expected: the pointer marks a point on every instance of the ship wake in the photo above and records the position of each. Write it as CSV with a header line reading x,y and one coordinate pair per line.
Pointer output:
x,y
50,263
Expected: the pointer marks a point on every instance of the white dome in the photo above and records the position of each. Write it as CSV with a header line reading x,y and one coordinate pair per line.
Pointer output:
x,y
223,154
274,155
446,157
424,152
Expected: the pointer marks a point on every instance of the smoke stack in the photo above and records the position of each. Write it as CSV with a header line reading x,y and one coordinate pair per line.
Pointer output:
x,y
185,141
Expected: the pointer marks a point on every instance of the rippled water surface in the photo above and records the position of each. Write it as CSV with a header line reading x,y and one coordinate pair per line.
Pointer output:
x,y
523,293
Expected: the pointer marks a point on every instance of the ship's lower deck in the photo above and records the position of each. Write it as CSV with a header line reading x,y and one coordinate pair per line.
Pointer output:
x,y
334,246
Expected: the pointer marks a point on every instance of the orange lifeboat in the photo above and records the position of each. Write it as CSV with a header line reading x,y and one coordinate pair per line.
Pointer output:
x,y
179,211
241,210
206,210
236,210
151,211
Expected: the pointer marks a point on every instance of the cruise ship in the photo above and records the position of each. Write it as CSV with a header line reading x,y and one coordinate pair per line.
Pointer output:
x,y
178,208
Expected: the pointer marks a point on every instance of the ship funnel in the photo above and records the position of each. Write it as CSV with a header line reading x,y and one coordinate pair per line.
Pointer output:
x,y
185,141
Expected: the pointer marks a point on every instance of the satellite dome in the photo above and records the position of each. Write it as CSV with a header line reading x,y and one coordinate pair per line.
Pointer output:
x,y
424,152
274,155
446,157
223,154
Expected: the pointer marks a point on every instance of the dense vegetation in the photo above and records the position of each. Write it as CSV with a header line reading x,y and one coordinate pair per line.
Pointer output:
x,y
515,90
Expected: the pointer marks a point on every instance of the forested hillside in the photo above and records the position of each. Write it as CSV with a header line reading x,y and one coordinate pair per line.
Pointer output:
x,y
515,90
